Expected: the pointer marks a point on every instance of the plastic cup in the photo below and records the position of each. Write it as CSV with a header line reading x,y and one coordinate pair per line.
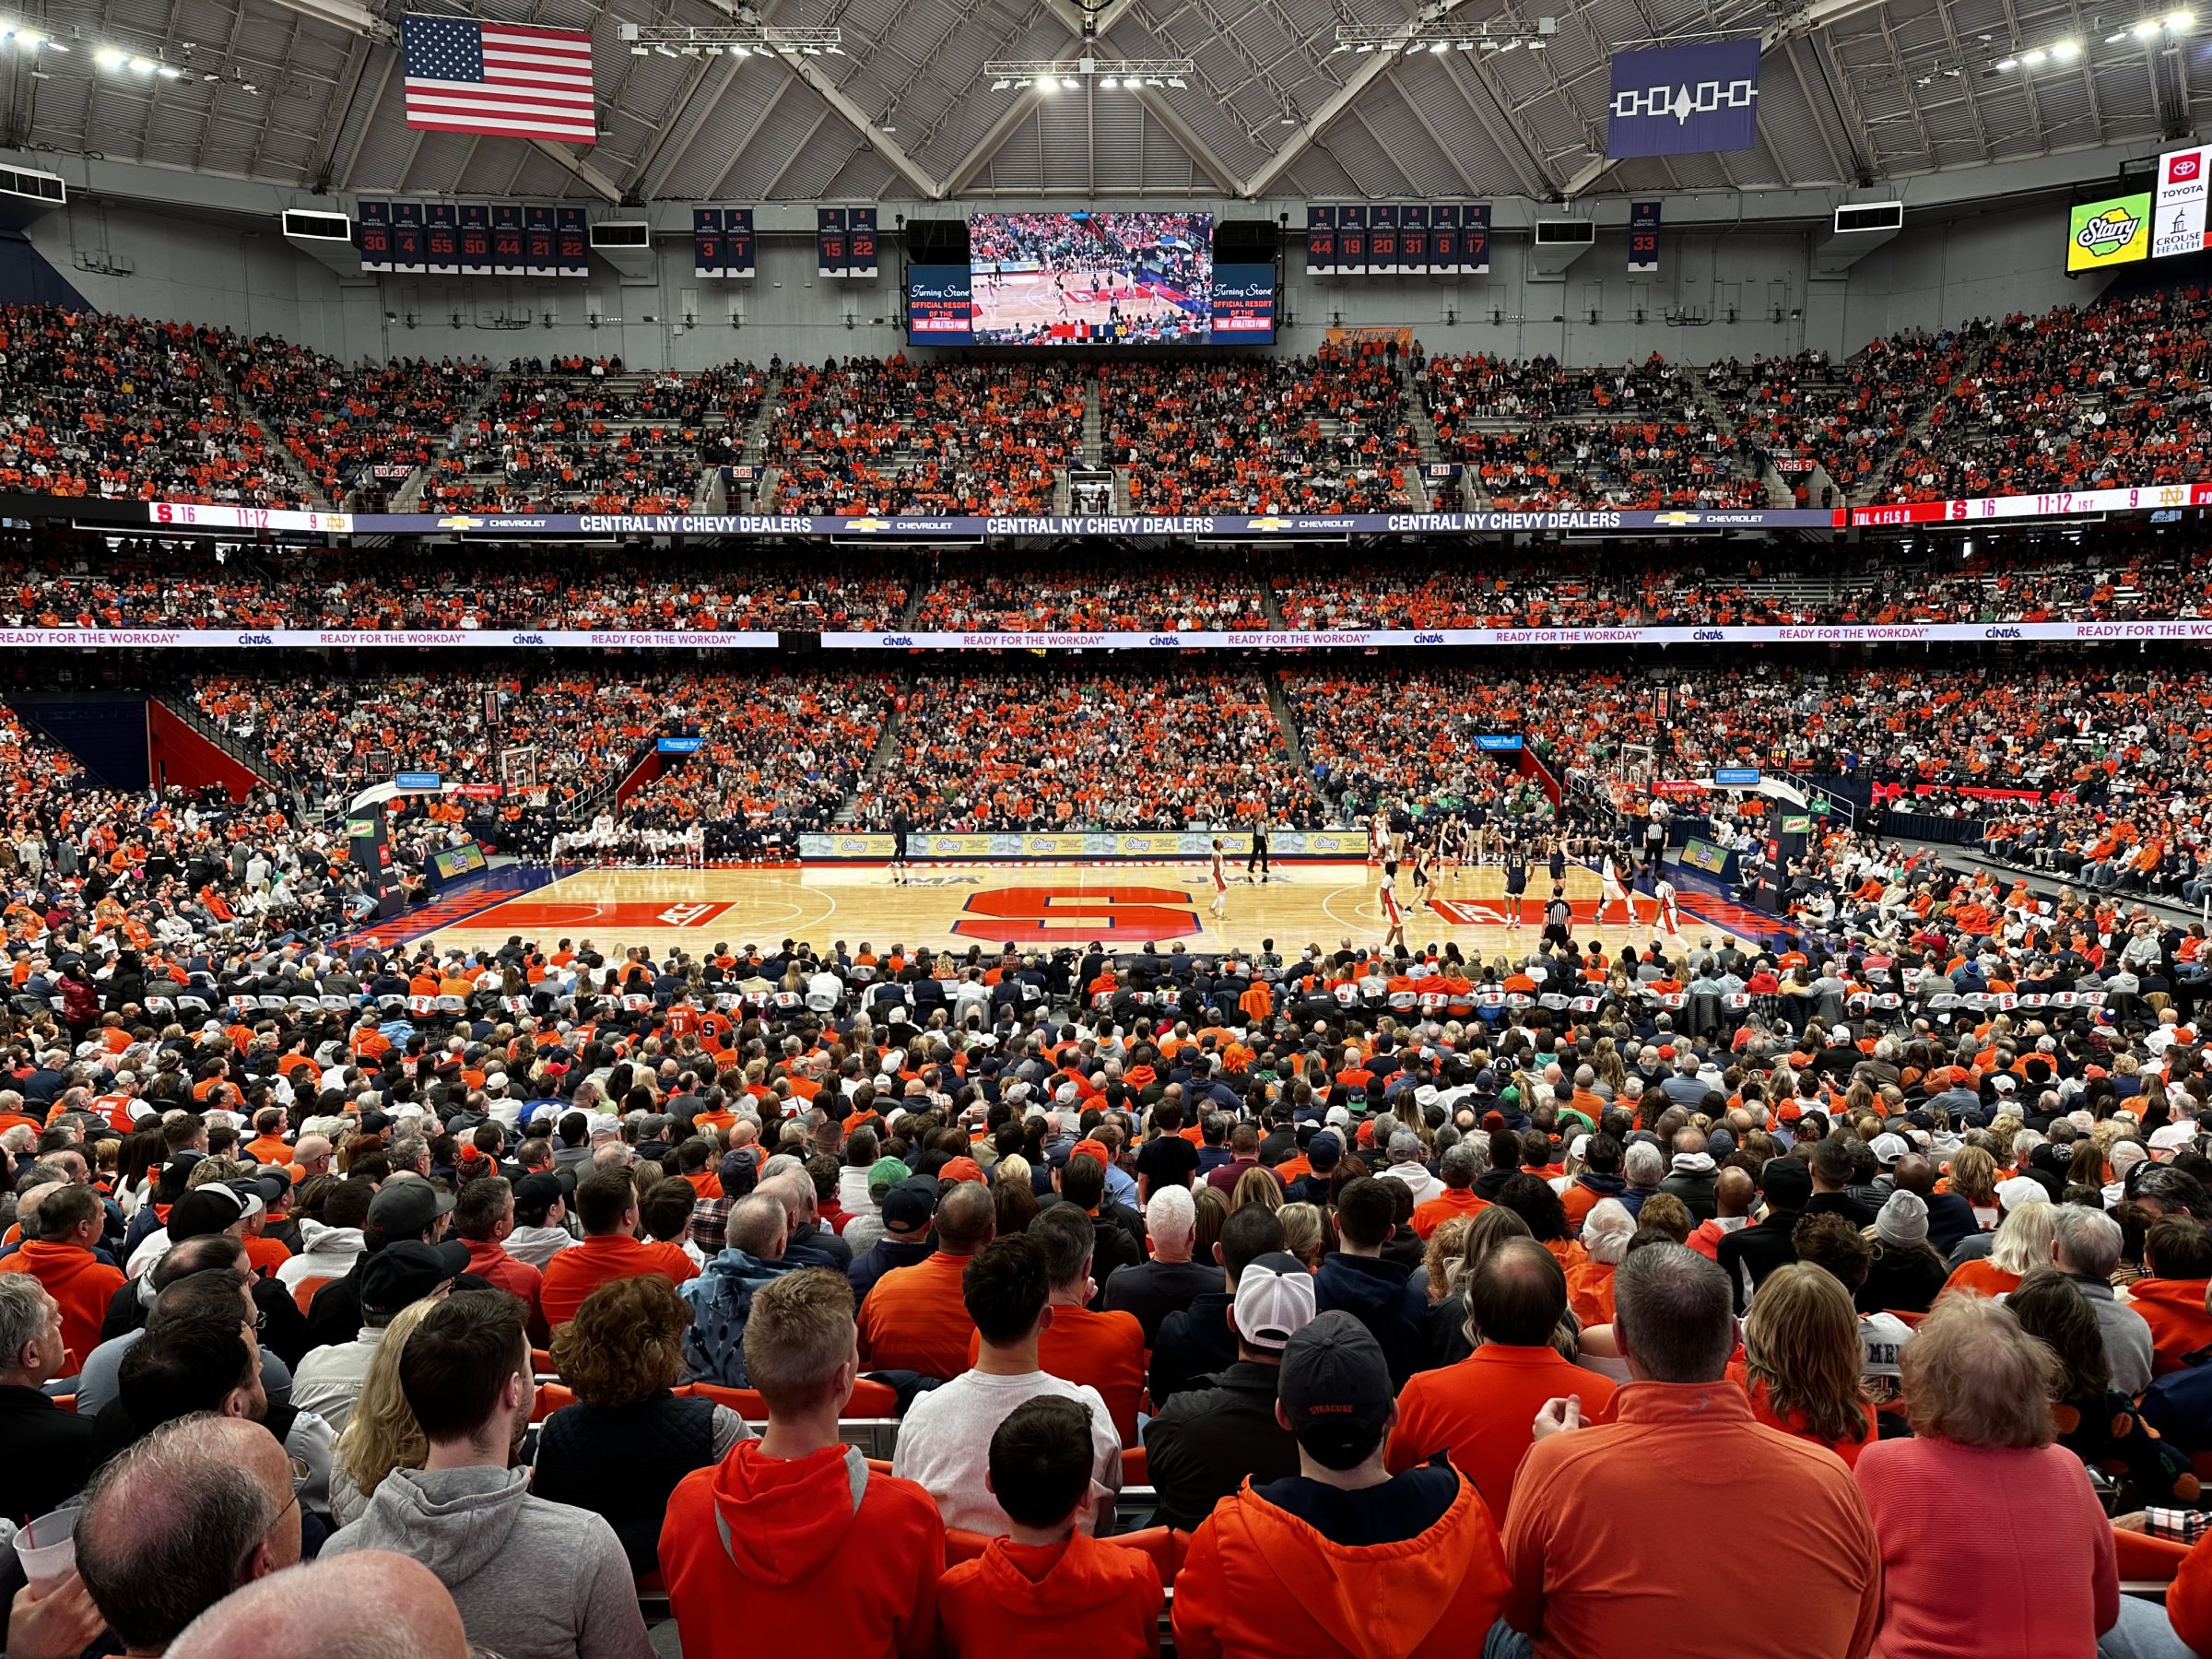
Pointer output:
x,y
47,1548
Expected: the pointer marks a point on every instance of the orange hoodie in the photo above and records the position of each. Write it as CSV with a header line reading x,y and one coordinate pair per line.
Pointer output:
x,y
1080,1599
813,1554
2175,1309
77,1279
1259,1583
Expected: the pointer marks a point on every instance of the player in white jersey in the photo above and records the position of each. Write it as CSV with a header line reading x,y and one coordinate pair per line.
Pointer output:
x,y
1669,917
1386,902
1219,906
1613,885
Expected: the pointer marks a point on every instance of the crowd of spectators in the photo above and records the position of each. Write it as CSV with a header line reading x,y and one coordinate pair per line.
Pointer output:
x,y
1321,434
1089,596
2090,397
359,433
989,1296
1074,750
600,444
122,408
1849,417
867,436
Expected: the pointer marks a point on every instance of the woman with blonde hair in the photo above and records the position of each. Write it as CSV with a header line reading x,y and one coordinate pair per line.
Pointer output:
x,y
1256,1186
1961,1574
382,1435
1803,1360
1307,1234
2022,1244
1974,1176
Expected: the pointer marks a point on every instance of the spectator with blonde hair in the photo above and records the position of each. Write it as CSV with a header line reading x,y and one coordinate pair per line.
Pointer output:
x,y
1959,1574
1803,1360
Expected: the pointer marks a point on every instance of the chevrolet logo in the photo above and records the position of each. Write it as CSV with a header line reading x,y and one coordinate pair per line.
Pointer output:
x,y
1677,519
1267,524
867,524
459,521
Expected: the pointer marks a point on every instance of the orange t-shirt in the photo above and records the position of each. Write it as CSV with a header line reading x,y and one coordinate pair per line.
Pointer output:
x,y
1479,1411
574,1273
915,1319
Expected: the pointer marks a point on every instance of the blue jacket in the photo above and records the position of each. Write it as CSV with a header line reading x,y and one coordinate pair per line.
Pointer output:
x,y
1381,1296
720,1299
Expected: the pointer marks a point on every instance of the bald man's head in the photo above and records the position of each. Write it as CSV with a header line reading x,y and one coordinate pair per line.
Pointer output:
x,y
414,1615
1733,1192
197,1508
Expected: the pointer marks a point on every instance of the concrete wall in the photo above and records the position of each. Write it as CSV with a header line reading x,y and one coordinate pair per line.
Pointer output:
x,y
241,275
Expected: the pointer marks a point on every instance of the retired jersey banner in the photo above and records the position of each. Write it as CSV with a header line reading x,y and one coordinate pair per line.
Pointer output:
x,y
1351,241
1413,239
506,239
1383,238
476,239
738,242
442,238
1680,100
1443,237
706,242
372,231
1475,241
1643,236
1321,238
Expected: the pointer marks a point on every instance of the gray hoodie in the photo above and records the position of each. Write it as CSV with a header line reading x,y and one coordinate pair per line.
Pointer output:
x,y
533,1579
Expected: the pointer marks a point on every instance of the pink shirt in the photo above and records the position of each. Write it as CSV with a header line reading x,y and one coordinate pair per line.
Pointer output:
x,y
1984,1551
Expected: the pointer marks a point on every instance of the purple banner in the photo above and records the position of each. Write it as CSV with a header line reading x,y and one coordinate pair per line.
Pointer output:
x,y
1680,101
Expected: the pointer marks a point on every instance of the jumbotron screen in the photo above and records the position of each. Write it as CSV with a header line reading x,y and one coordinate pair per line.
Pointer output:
x,y
1092,280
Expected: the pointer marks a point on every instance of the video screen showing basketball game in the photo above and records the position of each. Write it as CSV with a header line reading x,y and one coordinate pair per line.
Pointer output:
x,y
1091,279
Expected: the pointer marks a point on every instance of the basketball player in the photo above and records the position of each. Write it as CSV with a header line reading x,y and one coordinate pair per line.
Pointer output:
x,y
1613,885
1386,902
1259,847
901,826
1668,918
1219,906
1516,884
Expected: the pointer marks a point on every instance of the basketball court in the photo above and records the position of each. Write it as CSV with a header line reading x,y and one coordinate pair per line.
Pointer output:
x,y
1125,905
1019,302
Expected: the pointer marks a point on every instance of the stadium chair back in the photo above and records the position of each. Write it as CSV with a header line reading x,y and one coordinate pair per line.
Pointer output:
x,y
746,1402
551,1397
961,1545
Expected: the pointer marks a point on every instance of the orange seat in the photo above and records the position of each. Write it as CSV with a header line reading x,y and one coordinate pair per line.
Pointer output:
x,y
746,1402
1132,1466
2147,1560
551,1397
304,1292
961,1544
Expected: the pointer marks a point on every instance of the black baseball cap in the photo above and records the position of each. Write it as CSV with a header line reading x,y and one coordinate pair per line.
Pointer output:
x,y
405,1272
405,1205
910,1204
535,1194
1335,1387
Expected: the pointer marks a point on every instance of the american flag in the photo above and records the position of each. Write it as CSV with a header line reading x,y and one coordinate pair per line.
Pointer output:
x,y
504,78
